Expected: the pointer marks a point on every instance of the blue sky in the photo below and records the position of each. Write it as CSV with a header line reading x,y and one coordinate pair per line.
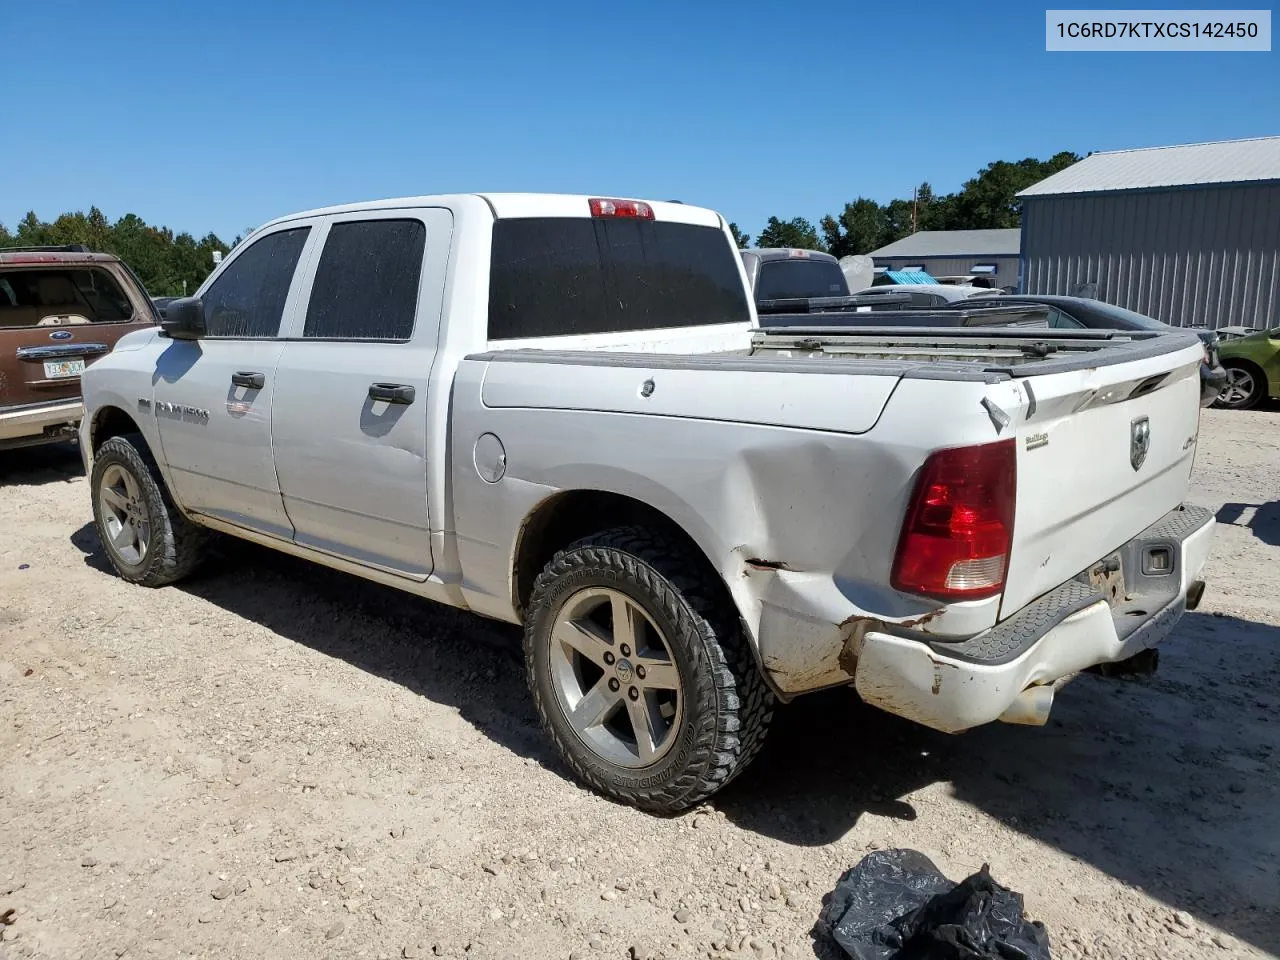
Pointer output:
x,y
219,115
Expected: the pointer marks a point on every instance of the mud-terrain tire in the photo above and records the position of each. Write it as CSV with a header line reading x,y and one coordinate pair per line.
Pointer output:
x,y
707,699
146,537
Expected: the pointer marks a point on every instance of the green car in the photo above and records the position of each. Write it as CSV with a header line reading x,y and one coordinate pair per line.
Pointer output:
x,y
1252,363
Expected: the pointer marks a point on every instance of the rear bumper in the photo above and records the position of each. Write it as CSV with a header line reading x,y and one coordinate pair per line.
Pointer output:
x,y
1212,380
35,423
1010,671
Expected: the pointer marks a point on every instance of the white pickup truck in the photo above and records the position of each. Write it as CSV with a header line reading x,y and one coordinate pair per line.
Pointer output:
x,y
561,411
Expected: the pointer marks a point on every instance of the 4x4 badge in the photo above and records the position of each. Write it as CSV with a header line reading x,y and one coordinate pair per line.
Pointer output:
x,y
1139,441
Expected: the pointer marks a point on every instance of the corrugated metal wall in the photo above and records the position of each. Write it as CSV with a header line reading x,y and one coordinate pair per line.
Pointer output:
x,y
1188,256
1006,267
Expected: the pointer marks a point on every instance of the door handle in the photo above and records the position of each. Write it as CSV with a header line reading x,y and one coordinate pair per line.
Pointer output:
x,y
391,392
55,351
247,378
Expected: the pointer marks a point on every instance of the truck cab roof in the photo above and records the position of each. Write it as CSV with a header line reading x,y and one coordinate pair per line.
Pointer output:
x,y
504,206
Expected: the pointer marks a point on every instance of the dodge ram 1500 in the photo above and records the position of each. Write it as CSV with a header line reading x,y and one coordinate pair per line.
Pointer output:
x,y
561,412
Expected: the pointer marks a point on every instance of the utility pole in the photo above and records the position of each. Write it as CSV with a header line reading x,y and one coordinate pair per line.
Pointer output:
x,y
914,193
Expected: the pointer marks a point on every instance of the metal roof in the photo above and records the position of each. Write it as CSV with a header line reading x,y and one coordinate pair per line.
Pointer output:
x,y
34,256
513,206
1191,164
955,243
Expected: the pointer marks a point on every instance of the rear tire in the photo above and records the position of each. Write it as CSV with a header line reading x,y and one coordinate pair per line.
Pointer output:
x,y
145,536
663,739
1245,388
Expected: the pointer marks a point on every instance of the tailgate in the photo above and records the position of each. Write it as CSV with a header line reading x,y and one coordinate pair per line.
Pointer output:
x,y
1105,452
43,364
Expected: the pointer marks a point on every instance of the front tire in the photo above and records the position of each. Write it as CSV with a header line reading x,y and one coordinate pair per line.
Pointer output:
x,y
640,671
1244,389
146,537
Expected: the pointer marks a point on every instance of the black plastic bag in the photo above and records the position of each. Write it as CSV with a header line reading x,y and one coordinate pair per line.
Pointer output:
x,y
896,905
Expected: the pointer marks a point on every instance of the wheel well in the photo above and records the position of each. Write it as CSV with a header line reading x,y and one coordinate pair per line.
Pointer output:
x,y
110,422
566,517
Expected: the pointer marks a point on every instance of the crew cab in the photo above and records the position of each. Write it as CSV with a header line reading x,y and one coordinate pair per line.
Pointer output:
x,y
61,308
561,412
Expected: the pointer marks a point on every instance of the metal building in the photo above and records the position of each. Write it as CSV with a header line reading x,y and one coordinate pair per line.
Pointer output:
x,y
988,254
1187,234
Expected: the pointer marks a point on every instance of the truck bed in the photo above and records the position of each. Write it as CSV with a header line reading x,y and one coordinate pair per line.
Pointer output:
x,y
1008,351
984,354
1064,398
879,314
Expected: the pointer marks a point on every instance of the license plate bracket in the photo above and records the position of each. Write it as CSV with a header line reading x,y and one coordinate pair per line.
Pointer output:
x,y
62,369
1107,577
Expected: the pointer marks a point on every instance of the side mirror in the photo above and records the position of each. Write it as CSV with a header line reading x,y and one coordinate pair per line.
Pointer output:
x,y
184,319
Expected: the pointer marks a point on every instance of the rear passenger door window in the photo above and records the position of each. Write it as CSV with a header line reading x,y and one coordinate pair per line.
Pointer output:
x,y
366,284
247,300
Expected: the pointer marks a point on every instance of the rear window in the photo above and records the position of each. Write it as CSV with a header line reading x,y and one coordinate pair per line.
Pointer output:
x,y
552,276
800,279
56,296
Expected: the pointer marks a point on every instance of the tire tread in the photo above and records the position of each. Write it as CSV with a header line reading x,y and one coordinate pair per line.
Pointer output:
x,y
727,683
182,545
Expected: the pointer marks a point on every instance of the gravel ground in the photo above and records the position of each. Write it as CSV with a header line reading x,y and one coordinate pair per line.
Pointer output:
x,y
274,760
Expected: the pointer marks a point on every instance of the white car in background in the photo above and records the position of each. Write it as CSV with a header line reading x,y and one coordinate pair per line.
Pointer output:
x,y
928,294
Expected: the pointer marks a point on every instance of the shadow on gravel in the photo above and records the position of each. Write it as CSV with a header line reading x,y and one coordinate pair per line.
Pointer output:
x,y
448,656
37,466
1168,784
1264,520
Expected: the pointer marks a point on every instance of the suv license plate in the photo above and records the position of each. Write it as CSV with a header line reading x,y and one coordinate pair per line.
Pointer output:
x,y
58,369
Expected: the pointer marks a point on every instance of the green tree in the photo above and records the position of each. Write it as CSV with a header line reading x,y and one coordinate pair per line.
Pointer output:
x,y
97,230
31,232
743,240
989,200
862,226
165,264
796,232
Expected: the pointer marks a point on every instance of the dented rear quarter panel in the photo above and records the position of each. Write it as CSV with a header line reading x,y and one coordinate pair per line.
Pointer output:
x,y
794,484
800,522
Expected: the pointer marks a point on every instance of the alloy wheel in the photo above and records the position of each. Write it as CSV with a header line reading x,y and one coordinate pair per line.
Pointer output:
x,y
1239,387
614,677
124,514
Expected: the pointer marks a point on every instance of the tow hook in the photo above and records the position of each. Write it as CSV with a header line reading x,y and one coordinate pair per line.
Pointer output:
x,y
1141,664
1194,593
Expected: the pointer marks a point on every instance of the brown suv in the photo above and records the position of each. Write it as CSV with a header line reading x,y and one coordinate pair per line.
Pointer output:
x,y
60,309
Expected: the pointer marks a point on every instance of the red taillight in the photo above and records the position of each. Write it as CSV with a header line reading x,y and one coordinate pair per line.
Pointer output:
x,y
955,540
631,209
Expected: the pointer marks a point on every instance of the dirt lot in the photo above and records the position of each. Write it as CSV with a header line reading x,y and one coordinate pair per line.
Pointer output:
x,y
274,760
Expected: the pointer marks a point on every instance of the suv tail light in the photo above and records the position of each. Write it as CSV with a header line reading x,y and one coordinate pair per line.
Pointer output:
x,y
958,530
628,209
